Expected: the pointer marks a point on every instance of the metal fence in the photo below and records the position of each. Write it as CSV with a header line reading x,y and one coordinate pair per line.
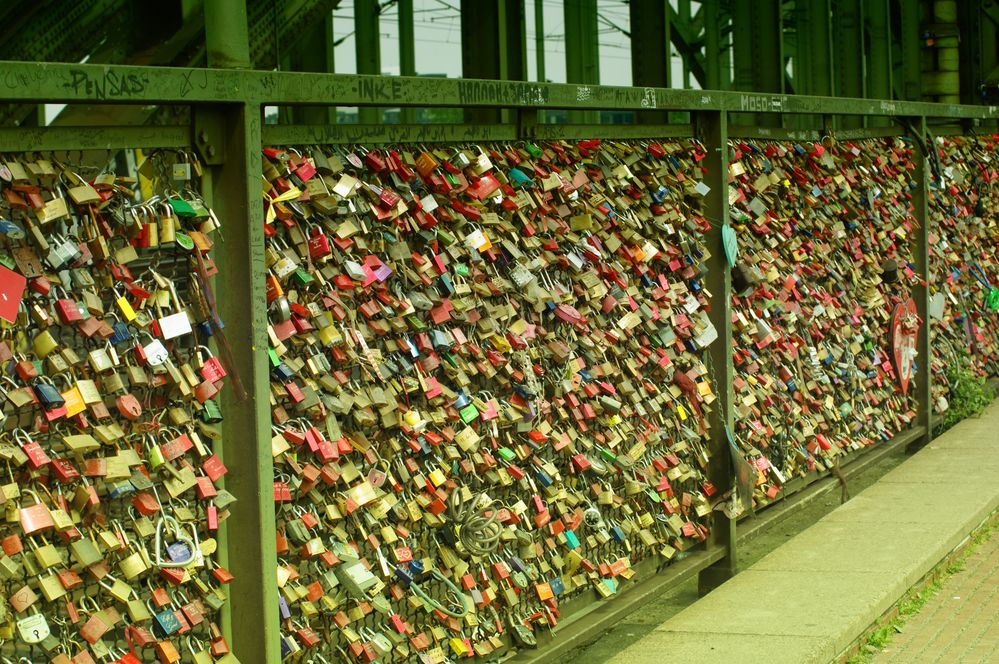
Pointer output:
x,y
226,128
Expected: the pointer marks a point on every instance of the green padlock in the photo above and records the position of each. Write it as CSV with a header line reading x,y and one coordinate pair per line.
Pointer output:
x,y
302,277
182,208
210,412
469,413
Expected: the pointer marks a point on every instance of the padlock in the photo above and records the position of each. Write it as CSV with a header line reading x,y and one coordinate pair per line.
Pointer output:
x,y
33,628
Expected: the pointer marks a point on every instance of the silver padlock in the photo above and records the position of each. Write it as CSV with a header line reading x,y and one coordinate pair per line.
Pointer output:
x,y
156,352
33,628
460,160
62,252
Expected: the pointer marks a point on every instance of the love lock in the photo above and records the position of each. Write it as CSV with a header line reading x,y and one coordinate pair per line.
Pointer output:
x,y
183,552
593,519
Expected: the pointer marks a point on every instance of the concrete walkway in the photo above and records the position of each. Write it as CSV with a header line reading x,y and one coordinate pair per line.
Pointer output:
x,y
808,600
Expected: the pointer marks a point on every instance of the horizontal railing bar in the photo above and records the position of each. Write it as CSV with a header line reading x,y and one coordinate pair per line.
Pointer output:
x,y
610,131
124,84
45,139
345,134
778,134
454,133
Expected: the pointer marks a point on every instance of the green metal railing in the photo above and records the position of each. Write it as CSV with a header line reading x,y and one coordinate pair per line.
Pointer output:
x,y
227,130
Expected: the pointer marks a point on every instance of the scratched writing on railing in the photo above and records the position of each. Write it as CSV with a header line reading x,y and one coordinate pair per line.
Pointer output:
x,y
501,93
400,134
107,85
18,78
762,103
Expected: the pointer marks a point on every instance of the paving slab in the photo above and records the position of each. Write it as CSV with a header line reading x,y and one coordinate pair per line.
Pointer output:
x,y
914,503
668,647
809,599
831,549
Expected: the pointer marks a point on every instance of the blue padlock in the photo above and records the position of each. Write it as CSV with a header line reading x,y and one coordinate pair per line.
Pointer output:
x,y
120,333
446,283
167,623
287,648
121,489
571,540
519,177
179,552
403,575
283,608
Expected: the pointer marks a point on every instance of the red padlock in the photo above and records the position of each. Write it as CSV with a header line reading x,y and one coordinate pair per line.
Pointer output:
x,y
319,244
129,407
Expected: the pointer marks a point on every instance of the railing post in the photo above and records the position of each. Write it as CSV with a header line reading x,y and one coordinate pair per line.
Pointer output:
x,y
921,291
229,136
711,128
246,432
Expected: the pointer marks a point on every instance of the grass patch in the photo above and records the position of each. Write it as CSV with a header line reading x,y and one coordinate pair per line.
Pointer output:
x,y
913,601
969,394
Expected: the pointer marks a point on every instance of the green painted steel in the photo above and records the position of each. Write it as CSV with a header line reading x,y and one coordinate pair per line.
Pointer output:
x,y
539,39
921,292
712,130
45,139
235,192
879,64
682,18
848,52
232,101
650,49
314,53
407,50
619,132
757,31
685,37
715,79
365,134
812,135
367,47
246,429
813,66
69,83
492,47
228,43
582,49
